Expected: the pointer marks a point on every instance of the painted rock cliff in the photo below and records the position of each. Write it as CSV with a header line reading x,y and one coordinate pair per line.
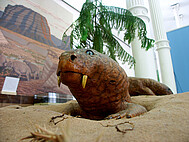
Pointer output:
x,y
27,22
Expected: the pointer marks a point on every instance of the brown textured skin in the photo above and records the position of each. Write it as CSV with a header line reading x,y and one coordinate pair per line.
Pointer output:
x,y
142,86
107,88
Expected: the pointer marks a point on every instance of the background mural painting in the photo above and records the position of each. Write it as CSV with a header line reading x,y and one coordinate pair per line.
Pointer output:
x,y
29,51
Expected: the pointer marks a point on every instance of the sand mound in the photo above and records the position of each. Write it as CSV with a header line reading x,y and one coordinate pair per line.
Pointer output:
x,y
167,120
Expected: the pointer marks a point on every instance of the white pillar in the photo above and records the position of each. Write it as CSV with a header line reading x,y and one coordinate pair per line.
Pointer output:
x,y
145,62
162,43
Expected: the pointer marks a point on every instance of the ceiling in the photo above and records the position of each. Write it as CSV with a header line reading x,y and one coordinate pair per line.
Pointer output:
x,y
168,14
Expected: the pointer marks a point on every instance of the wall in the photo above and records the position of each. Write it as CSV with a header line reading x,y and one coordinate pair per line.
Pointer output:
x,y
179,42
58,18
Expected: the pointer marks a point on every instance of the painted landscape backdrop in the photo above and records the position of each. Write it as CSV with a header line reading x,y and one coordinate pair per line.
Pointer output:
x,y
29,51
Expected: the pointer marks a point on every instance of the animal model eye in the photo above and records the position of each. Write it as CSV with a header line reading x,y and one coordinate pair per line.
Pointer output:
x,y
89,52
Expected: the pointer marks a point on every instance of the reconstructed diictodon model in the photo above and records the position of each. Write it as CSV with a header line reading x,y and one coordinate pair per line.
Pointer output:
x,y
101,87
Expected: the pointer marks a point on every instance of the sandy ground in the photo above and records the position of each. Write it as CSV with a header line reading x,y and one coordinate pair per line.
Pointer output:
x,y
167,120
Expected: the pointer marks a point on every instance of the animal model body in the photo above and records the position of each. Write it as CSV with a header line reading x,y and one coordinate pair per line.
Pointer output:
x,y
100,85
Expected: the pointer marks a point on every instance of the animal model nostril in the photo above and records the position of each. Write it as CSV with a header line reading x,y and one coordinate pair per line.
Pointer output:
x,y
73,57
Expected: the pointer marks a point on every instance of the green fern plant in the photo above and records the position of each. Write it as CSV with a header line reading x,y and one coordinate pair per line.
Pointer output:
x,y
93,29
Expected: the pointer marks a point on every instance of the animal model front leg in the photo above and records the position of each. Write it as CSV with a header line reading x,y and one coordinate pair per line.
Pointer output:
x,y
131,110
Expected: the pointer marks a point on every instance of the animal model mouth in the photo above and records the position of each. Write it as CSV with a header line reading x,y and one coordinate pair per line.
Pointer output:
x,y
84,78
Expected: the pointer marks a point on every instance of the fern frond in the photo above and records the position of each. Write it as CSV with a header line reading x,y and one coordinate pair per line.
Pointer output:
x,y
123,20
93,29
114,48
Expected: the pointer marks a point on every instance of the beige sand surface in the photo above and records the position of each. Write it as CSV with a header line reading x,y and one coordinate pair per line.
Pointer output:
x,y
167,120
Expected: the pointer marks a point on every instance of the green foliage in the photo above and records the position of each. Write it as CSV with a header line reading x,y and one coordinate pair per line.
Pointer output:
x,y
93,29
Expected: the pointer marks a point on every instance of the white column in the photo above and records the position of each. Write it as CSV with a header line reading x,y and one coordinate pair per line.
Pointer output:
x,y
163,47
145,62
